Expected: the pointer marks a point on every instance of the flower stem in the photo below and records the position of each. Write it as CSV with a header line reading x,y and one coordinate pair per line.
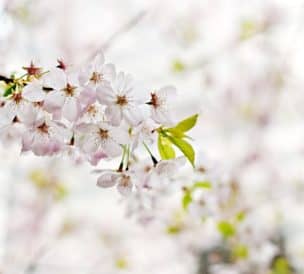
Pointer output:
x,y
151,155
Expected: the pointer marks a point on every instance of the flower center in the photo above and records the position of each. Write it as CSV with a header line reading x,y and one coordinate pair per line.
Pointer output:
x,y
33,70
69,90
92,110
38,104
17,97
154,100
43,128
96,77
125,180
121,100
103,133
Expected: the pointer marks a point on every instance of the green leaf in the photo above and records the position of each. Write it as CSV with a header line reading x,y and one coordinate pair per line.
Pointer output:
x,y
240,216
187,199
173,229
226,229
176,132
203,184
240,251
186,125
165,148
281,266
184,147
9,90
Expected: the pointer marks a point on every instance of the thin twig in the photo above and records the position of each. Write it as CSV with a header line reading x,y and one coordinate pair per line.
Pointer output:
x,y
122,30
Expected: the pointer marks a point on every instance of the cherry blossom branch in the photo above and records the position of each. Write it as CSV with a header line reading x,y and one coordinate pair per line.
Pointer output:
x,y
92,114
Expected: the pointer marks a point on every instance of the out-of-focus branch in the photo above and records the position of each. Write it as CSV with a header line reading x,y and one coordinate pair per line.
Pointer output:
x,y
122,30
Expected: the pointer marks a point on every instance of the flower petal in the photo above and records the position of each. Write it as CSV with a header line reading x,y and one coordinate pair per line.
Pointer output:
x,y
54,99
56,79
71,109
111,148
107,179
132,115
105,95
33,92
114,115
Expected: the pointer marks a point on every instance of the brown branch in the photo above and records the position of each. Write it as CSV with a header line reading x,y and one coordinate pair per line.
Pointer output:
x,y
5,79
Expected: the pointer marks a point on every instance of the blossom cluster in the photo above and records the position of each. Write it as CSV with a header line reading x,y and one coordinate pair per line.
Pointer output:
x,y
91,114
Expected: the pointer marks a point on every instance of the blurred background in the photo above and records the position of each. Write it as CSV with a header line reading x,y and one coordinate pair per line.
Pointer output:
x,y
239,64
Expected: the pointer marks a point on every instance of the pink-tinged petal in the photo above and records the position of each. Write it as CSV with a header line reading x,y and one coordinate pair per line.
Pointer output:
x,y
72,77
108,179
168,167
87,96
162,116
56,112
28,115
40,144
109,72
10,110
111,148
84,76
33,92
96,157
54,99
71,109
105,95
89,143
124,186
120,136
55,79
114,115
27,140
59,132
132,115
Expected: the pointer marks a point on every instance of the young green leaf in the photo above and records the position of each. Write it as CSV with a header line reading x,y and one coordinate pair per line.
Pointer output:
x,y
240,251
184,147
176,132
226,229
202,184
165,148
185,125
9,90
187,199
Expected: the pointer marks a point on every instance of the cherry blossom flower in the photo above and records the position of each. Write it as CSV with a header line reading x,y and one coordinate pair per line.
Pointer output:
x,y
168,167
65,93
45,137
122,180
120,101
97,73
32,70
91,113
94,137
161,105
14,106
144,132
